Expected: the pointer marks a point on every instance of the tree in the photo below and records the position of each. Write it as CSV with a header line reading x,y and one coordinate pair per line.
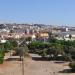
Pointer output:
x,y
72,65
55,49
52,40
70,36
22,51
11,31
1,55
10,45
68,49
43,53
35,47
28,39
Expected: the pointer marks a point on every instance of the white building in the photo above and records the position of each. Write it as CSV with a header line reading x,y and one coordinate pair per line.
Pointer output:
x,y
69,35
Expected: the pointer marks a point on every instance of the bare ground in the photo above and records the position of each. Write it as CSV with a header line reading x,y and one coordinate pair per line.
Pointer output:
x,y
34,67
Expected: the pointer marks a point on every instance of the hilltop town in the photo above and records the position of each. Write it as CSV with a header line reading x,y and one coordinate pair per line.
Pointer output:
x,y
38,32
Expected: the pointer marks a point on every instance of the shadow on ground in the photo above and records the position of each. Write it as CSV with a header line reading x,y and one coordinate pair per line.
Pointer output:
x,y
13,59
67,71
40,59
57,60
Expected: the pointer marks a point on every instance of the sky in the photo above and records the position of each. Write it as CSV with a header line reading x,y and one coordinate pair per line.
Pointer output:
x,y
55,12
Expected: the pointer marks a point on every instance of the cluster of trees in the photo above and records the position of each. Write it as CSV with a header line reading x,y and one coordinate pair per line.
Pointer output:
x,y
35,47
12,45
6,47
54,49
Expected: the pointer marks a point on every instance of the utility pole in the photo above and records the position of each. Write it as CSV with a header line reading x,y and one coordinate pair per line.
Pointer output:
x,y
23,63
22,54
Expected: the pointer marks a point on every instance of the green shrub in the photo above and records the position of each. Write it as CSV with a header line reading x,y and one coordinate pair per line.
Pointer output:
x,y
72,65
1,55
1,60
43,53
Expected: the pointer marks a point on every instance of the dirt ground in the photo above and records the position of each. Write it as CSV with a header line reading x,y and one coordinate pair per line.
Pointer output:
x,y
34,67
